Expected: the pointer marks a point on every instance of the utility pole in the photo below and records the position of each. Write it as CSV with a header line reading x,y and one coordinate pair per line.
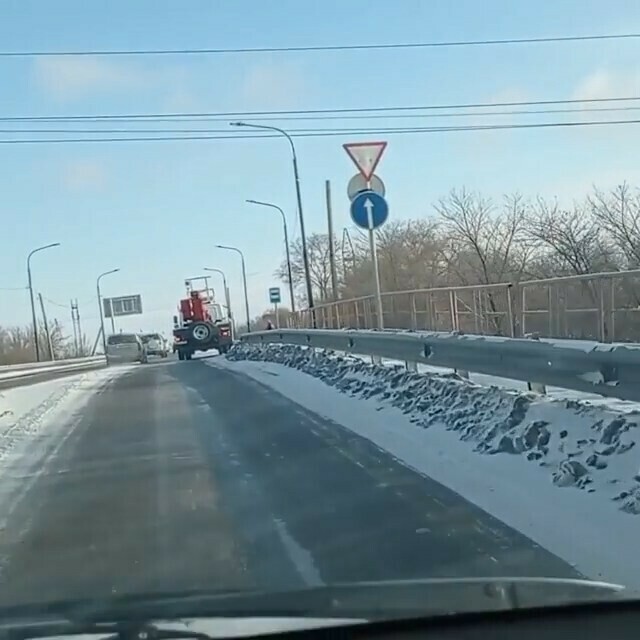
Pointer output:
x,y
46,328
78,339
76,350
332,253
346,240
80,336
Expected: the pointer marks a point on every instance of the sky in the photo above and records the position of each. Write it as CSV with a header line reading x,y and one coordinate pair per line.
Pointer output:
x,y
156,210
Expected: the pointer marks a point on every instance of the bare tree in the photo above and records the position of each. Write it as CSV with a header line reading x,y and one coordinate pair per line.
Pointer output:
x,y
16,343
618,214
571,241
319,266
483,245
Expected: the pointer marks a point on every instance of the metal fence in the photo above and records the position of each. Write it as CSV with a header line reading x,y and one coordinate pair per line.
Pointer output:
x,y
601,306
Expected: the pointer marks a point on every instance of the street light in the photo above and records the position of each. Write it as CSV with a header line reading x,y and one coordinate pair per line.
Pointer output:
x,y
286,244
227,298
305,255
244,281
104,337
33,306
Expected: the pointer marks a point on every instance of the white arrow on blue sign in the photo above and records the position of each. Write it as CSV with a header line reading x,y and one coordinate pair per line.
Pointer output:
x,y
369,205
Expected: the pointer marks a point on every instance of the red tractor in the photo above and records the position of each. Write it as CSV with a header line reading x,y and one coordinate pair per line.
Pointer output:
x,y
200,325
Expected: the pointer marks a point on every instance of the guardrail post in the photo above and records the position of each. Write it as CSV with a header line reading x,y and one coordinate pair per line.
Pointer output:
x,y
411,366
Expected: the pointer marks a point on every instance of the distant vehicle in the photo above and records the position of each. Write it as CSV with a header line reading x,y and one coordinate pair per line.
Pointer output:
x,y
200,325
156,344
125,347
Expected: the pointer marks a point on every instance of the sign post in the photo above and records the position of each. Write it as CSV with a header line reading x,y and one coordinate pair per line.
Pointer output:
x,y
275,299
369,209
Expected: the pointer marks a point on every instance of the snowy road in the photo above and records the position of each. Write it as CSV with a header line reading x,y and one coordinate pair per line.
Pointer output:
x,y
182,475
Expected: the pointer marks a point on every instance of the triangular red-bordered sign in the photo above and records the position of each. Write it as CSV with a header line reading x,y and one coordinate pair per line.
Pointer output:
x,y
365,156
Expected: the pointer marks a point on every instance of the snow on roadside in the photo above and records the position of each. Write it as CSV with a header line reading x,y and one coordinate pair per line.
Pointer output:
x,y
33,414
565,473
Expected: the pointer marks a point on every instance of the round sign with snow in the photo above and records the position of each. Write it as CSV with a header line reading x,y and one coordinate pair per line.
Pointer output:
x,y
358,184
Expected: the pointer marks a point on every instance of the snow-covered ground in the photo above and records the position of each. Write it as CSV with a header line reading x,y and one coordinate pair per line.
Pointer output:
x,y
563,472
35,421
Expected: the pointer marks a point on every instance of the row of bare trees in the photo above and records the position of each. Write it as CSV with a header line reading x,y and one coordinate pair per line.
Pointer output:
x,y
469,238
16,344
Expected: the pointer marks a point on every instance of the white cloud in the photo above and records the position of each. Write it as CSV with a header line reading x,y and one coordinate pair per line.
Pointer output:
x,y
85,175
67,78
272,85
604,83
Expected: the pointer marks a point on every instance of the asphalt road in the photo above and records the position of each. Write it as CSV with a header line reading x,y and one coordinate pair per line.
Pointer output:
x,y
183,476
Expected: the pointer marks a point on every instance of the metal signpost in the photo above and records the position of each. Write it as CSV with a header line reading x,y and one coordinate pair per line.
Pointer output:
x,y
275,299
121,306
369,209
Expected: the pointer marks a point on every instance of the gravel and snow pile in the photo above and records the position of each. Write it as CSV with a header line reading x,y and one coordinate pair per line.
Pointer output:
x,y
579,445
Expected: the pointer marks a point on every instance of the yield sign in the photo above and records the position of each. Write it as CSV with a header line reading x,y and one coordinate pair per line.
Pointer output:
x,y
365,156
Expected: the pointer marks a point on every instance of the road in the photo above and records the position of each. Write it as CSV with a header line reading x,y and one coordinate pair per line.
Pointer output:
x,y
181,476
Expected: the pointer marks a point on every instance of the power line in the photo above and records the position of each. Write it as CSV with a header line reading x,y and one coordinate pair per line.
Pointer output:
x,y
323,133
319,48
320,118
56,304
276,114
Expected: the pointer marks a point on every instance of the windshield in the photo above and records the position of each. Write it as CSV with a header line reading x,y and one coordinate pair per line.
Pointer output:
x,y
296,298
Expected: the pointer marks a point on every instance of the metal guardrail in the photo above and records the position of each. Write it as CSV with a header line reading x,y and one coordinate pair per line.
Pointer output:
x,y
601,306
608,370
32,372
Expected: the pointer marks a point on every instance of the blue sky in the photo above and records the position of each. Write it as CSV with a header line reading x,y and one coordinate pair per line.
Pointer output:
x,y
155,210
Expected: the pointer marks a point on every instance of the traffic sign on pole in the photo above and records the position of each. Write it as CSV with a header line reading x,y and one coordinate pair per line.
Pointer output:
x,y
365,156
369,210
358,184
274,295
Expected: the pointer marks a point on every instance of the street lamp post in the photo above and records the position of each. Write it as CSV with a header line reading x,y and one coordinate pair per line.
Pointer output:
x,y
227,297
33,305
305,255
286,244
244,281
104,337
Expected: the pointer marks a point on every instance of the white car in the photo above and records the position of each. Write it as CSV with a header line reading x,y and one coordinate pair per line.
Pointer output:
x,y
155,344
125,347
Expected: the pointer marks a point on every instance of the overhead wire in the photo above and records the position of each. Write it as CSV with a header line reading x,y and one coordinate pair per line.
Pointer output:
x,y
322,118
319,48
322,133
304,112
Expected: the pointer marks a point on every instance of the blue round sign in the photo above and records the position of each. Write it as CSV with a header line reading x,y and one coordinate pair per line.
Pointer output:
x,y
369,205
